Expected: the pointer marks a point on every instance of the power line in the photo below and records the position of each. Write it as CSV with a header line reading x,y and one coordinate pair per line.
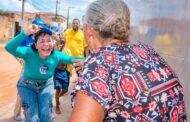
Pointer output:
x,y
39,5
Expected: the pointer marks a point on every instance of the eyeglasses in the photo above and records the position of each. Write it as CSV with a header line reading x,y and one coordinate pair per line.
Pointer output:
x,y
42,41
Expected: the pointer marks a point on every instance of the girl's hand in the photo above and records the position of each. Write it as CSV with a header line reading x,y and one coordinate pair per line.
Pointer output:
x,y
78,64
32,29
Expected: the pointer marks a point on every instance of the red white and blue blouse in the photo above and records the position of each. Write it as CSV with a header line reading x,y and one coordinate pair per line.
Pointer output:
x,y
132,82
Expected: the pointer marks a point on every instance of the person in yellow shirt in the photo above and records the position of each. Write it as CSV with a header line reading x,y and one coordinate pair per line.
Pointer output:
x,y
75,43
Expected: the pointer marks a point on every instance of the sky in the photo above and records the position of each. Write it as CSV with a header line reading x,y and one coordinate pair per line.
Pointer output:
x,y
77,10
140,9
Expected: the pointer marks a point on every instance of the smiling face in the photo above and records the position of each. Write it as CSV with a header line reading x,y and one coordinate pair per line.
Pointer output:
x,y
44,45
76,24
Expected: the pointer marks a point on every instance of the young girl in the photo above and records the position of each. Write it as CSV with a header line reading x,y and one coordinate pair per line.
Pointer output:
x,y
61,76
35,86
27,42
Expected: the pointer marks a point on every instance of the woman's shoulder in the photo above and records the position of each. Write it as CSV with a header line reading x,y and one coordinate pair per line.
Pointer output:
x,y
120,49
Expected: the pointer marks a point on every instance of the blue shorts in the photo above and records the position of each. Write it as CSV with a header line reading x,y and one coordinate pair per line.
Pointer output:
x,y
61,79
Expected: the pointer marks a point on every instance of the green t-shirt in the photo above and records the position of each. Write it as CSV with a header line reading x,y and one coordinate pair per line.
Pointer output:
x,y
36,69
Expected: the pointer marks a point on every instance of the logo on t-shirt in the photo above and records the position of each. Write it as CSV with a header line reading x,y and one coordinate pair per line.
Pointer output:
x,y
43,69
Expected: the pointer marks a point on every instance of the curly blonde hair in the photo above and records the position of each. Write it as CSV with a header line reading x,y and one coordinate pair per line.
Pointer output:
x,y
111,18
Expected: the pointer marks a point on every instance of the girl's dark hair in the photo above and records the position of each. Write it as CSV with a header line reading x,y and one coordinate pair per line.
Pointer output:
x,y
36,36
33,47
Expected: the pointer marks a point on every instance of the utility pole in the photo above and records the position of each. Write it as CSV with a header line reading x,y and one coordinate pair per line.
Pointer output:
x,y
56,9
22,16
21,22
68,16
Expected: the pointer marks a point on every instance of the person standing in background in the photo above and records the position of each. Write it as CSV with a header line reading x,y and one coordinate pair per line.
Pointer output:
x,y
75,42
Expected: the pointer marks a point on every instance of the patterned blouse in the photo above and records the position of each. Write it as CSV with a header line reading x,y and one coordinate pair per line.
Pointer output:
x,y
133,83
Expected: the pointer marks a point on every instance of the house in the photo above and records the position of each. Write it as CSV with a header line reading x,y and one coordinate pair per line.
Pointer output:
x,y
11,22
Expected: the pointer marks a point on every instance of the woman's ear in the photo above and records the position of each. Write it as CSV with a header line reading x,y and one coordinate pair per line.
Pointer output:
x,y
88,31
